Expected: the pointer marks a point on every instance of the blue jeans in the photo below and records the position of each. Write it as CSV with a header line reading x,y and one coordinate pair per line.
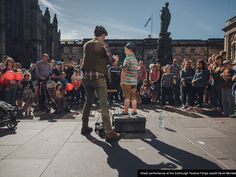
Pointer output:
x,y
10,95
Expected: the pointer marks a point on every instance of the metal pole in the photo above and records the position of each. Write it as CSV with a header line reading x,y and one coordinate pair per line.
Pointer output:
x,y
152,26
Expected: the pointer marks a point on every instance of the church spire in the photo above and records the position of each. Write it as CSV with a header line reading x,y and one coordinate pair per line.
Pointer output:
x,y
55,22
47,15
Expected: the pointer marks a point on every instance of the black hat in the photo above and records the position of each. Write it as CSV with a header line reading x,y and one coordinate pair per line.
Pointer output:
x,y
100,30
131,45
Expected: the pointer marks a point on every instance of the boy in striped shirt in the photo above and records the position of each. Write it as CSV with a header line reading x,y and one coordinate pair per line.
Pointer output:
x,y
129,77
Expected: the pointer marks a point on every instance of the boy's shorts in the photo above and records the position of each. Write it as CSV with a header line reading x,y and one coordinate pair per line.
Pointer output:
x,y
130,92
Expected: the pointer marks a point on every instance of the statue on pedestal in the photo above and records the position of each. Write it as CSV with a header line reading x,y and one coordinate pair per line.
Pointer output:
x,y
165,18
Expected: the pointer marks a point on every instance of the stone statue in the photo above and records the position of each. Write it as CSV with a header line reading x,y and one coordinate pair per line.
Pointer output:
x,y
165,18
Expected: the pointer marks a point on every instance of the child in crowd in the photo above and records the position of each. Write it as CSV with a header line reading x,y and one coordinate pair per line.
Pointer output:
x,y
27,93
76,80
167,84
145,92
59,96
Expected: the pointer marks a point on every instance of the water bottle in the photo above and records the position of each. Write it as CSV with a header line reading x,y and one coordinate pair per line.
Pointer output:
x,y
161,120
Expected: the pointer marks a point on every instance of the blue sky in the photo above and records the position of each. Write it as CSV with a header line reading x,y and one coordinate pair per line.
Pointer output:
x,y
191,19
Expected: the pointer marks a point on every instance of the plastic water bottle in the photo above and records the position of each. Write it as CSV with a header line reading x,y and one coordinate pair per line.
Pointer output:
x,y
161,120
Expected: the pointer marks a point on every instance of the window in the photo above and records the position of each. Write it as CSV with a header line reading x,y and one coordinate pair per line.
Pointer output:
x,y
183,51
173,51
192,50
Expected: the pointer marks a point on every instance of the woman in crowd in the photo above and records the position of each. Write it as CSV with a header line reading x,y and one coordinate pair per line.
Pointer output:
x,y
186,76
226,89
76,79
10,88
167,84
199,82
154,77
215,72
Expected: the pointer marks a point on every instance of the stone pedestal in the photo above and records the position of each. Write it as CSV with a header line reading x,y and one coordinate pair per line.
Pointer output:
x,y
164,49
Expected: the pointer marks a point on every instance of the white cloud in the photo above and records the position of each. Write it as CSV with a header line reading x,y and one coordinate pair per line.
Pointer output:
x,y
54,8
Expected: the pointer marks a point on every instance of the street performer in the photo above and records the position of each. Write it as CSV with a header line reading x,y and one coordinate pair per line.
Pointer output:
x,y
95,72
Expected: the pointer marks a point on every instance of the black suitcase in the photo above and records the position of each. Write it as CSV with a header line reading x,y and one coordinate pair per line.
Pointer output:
x,y
128,123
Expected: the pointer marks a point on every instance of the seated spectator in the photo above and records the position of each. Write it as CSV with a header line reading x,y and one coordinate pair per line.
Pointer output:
x,y
27,93
59,97
145,92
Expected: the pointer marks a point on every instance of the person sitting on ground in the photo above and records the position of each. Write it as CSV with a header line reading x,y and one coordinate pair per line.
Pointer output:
x,y
145,92
59,96
27,93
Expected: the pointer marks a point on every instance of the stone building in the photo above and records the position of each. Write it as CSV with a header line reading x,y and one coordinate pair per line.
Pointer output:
x,y
230,39
26,33
147,48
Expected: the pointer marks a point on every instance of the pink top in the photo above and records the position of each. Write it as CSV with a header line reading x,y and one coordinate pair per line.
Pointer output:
x,y
155,75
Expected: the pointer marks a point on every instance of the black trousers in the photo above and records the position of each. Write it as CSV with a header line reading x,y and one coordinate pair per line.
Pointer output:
x,y
167,92
186,94
43,94
197,93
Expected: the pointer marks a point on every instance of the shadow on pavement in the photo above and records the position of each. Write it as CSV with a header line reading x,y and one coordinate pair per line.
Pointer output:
x,y
125,162
6,131
180,157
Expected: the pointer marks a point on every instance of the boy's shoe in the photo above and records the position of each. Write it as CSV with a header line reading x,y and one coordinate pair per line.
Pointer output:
x,y
112,136
134,113
86,130
124,114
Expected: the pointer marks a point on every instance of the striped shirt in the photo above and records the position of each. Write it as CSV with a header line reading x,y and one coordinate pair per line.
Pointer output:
x,y
175,69
131,64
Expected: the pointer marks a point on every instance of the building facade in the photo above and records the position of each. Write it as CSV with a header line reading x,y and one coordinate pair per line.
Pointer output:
x,y
230,39
147,49
26,33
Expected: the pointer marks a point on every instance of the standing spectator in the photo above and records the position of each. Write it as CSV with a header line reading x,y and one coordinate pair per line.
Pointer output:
x,y
10,88
226,88
69,70
199,83
129,79
142,74
186,76
215,72
43,71
175,70
56,72
35,82
76,78
154,77
209,89
167,85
